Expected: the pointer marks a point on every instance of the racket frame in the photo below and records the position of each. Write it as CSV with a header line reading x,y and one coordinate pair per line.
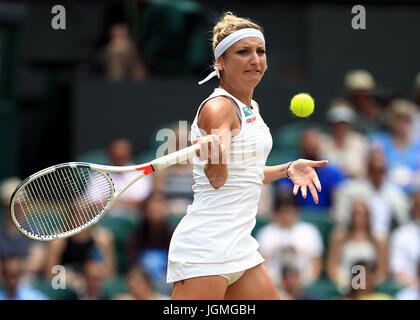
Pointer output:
x,y
146,168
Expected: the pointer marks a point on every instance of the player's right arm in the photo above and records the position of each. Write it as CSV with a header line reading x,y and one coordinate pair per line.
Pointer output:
x,y
218,119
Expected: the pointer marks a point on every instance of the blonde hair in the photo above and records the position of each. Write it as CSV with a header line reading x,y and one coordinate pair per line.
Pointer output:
x,y
229,23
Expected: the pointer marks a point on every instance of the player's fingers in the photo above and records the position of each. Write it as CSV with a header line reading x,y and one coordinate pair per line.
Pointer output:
x,y
319,163
214,149
208,149
200,140
317,183
223,153
303,190
203,139
295,189
314,193
203,151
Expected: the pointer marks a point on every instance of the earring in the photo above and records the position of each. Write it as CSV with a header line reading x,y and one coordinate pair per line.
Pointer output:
x,y
266,67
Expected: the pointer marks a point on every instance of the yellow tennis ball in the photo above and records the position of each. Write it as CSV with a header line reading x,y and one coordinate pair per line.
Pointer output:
x,y
302,105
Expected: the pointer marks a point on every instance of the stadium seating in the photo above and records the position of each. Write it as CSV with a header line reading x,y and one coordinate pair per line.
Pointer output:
x,y
323,289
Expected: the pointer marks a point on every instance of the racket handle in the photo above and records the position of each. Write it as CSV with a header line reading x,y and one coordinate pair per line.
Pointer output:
x,y
175,157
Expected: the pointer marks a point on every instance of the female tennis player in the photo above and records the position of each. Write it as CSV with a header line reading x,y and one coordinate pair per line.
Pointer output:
x,y
212,254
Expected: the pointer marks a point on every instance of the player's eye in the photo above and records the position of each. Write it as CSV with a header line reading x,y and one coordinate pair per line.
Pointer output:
x,y
261,51
243,51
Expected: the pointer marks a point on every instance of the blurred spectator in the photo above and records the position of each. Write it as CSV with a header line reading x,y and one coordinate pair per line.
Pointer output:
x,y
368,290
291,285
12,241
176,181
387,203
330,176
91,244
12,270
94,274
150,243
412,292
344,147
154,231
360,88
401,149
119,57
288,240
348,245
121,153
140,287
405,247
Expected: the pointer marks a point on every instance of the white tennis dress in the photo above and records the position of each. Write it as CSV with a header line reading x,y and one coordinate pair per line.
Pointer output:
x,y
214,237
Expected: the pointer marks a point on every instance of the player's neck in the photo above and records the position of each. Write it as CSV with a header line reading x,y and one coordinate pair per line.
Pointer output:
x,y
245,96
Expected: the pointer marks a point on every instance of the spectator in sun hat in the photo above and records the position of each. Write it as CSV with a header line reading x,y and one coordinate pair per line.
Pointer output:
x,y
344,146
359,80
360,88
400,147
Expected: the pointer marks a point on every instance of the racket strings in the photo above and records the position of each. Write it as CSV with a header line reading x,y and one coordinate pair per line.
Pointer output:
x,y
61,201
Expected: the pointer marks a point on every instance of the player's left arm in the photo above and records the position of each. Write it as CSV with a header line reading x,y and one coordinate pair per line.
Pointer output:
x,y
273,173
302,174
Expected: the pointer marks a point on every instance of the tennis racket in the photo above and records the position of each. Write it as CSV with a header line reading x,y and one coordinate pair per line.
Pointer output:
x,y
62,200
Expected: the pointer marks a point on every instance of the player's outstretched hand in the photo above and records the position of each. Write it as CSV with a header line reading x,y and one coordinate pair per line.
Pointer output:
x,y
303,175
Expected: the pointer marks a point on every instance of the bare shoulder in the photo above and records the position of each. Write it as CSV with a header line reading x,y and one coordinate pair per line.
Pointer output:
x,y
218,106
218,112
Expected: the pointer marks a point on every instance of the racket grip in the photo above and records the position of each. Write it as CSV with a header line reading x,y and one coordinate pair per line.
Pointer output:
x,y
175,157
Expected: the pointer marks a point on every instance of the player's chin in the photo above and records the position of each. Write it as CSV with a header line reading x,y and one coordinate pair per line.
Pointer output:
x,y
253,77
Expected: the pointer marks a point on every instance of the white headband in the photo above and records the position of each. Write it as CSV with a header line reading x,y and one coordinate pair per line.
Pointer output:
x,y
229,41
